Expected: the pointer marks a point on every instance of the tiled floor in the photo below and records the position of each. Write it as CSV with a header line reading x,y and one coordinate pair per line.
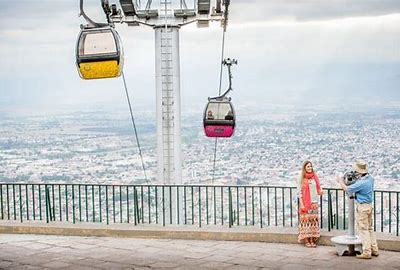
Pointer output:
x,y
64,252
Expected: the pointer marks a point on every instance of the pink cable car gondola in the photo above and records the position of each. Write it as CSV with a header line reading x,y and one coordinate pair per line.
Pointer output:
x,y
219,118
219,115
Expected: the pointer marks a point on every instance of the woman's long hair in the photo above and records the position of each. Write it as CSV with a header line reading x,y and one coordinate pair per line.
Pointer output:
x,y
303,171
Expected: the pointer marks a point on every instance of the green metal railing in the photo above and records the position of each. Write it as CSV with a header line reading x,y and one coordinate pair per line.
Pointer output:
x,y
200,205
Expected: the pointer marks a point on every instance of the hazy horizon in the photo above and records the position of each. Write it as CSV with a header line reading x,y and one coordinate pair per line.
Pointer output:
x,y
289,52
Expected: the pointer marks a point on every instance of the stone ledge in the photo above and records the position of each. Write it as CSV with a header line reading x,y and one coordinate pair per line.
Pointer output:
x,y
207,232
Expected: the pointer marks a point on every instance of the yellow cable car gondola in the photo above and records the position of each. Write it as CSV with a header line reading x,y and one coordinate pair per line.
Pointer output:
x,y
99,53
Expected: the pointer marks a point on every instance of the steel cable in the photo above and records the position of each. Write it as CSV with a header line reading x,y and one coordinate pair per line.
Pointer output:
x,y
134,127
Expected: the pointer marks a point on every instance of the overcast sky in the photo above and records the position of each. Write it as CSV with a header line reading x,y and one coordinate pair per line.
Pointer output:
x,y
295,51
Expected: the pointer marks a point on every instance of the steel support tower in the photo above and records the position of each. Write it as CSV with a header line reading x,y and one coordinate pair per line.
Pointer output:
x,y
166,19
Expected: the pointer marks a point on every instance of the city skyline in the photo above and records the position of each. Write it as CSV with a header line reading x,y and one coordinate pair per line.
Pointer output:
x,y
99,147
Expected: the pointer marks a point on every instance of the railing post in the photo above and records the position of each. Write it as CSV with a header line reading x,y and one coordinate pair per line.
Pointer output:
x,y
59,201
207,220
33,202
329,211
191,195
120,205
390,212
184,204
291,206
48,206
268,211
53,205
135,206
113,198
178,198
93,208
344,210
222,205
100,210
398,212
73,203
163,204
283,206
237,217
86,203
337,209
321,208
52,212
230,207
156,196
8,203
127,204
199,206
245,206
252,206
374,210
215,205
20,202
66,203
1,201
381,211
14,203
107,209
170,203
276,206
141,205
27,201
149,202
260,197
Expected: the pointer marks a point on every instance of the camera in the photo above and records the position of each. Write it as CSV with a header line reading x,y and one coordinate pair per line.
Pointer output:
x,y
350,177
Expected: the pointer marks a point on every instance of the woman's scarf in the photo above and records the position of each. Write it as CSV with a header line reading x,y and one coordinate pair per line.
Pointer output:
x,y
305,191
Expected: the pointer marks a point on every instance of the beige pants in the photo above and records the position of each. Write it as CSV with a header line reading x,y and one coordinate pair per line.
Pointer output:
x,y
365,227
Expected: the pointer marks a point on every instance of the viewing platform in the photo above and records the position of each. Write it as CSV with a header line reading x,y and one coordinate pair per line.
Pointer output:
x,y
78,226
35,245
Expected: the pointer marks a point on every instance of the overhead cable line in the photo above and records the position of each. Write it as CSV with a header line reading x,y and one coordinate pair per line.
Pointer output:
x,y
225,22
134,128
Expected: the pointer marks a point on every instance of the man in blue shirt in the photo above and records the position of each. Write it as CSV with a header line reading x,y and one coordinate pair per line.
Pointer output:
x,y
363,189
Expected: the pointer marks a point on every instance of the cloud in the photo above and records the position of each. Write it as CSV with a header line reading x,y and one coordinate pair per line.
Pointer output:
x,y
284,48
305,10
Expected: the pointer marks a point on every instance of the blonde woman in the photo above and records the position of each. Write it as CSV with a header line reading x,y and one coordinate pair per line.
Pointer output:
x,y
309,189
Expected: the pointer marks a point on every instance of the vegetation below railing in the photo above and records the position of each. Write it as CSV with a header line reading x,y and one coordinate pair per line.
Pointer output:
x,y
183,204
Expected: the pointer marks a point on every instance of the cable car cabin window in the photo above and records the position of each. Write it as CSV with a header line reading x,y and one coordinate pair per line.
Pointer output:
x,y
219,111
97,43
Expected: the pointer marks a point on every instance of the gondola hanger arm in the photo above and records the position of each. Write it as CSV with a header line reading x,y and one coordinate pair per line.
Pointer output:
x,y
90,22
227,62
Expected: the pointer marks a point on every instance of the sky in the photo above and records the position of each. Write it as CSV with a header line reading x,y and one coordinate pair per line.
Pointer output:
x,y
297,52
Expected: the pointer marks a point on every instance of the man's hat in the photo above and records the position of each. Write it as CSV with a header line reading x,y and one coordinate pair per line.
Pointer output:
x,y
360,166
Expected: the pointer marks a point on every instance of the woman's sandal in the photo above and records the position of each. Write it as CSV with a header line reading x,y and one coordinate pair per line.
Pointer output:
x,y
308,244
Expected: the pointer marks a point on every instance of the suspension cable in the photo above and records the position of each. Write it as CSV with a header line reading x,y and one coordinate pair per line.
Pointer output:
x,y
134,127
222,60
219,94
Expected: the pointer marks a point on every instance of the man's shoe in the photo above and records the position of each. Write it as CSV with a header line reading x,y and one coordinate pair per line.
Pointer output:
x,y
363,256
375,254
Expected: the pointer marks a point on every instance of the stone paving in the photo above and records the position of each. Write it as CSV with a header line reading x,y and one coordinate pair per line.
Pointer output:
x,y
71,252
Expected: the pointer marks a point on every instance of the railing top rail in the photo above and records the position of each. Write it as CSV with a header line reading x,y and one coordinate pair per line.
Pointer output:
x,y
180,185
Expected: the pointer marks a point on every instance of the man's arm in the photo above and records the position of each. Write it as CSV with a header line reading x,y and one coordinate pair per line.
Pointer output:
x,y
341,183
349,189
